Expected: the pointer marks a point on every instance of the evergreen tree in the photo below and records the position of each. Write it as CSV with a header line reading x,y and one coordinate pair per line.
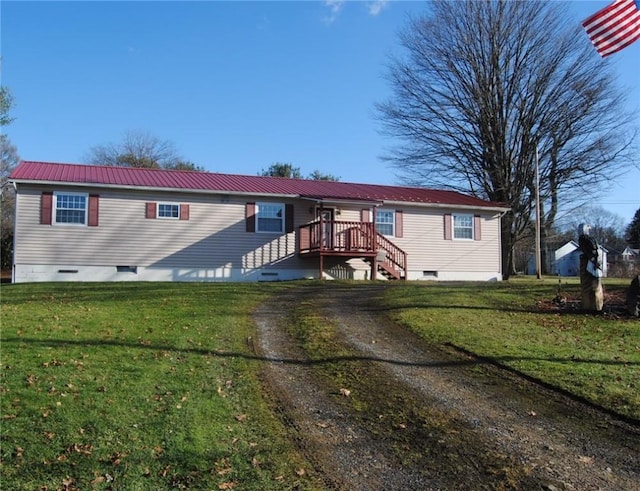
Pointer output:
x,y
632,232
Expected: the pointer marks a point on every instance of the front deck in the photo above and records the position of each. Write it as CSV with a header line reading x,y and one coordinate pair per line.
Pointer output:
x,y
349,239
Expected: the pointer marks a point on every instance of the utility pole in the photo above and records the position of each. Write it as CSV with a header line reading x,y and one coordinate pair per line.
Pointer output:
x,y
538,259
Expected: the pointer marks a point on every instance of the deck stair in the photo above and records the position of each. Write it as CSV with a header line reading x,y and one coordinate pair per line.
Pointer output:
x,y
351,239
391,261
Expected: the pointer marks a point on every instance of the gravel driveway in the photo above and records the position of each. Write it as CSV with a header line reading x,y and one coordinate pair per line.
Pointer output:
x,y
486,427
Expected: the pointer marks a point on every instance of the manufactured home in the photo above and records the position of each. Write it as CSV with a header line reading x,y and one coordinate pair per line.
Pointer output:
x,y
93,223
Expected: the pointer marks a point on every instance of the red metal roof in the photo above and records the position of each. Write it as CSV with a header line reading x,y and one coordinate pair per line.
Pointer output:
x,y
46,172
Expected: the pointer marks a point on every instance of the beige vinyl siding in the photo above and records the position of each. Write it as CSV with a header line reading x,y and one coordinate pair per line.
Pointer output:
x,y
213,237
427,249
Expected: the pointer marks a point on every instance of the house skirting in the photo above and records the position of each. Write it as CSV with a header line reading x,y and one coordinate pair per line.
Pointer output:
x,y
28,273
426,275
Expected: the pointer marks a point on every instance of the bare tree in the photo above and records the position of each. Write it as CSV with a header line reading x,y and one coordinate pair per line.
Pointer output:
x,y
140,149
8,161
6,101
607,228
483,87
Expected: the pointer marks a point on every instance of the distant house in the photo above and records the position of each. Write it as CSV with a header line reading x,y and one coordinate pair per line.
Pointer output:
x,y
630,255
91,223
565,260
625,263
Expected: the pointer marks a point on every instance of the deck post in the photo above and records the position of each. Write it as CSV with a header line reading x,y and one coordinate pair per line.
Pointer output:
x,y
321,232
321,261
374,244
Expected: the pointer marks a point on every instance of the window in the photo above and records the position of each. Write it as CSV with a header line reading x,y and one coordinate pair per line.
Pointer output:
x,y
168,210
385,222
270,217
463,227
70,208
171,211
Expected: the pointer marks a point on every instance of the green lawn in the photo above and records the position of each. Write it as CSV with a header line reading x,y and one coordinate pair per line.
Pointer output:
x,y
149,386
137,386
596,357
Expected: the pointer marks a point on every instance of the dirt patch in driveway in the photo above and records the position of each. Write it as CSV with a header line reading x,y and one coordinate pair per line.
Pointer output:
x,y
404,415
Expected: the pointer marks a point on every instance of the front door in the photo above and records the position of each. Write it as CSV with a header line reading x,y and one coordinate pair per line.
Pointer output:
x,y
327,227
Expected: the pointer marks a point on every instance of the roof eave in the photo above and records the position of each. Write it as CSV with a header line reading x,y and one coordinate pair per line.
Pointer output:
x,y
500,209
150,188
342,201
326,200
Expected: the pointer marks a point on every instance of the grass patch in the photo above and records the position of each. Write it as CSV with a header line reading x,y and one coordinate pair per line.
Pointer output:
x,y
137,386
142,386
596,357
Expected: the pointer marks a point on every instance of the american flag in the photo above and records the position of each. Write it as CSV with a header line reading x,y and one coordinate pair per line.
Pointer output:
x,y
614,27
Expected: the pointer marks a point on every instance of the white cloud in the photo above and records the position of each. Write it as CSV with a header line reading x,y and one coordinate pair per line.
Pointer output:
x,y
334,6
377,6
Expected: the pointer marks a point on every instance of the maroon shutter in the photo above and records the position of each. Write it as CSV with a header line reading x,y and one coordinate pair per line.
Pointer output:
x,y
447,227
250,214
94,210
151,210
477,233
184,212
46,204
288,218
399,229
364,215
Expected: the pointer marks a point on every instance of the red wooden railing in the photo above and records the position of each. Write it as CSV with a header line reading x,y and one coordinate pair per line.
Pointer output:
x,y
352,238
336,236
395,258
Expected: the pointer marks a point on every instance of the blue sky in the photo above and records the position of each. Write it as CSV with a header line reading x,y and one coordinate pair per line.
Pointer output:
x,y
236,86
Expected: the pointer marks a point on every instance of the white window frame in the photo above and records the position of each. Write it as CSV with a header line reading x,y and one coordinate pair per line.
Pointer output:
x,y
261,208
457,228
392,223
54,209
167,203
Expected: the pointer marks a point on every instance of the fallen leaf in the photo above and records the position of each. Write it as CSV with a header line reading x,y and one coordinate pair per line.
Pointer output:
x,y
227,485
301,472
585,460
98,480
241,417
345,392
